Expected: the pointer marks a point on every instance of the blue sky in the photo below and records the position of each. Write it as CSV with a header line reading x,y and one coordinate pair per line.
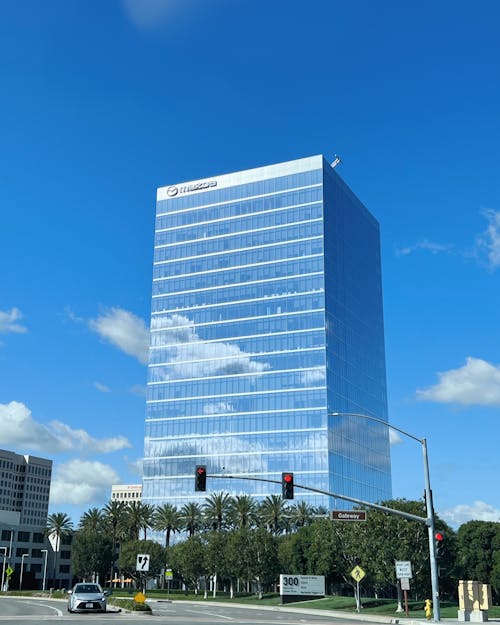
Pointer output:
x,y
102,102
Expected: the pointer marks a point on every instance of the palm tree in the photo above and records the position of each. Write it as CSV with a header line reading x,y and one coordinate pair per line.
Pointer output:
x,y
216,510
273,513
59,525
114,515
301,514
243,511
167,519
191,515
91,521
138,516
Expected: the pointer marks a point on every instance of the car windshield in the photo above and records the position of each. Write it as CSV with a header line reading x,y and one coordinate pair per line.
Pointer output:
x,y
87,588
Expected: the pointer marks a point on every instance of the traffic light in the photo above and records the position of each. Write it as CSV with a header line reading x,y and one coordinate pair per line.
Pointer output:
x,y
287,485
439,542
200,478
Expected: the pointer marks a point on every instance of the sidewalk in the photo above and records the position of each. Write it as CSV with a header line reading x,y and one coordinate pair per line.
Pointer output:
x,y
397,619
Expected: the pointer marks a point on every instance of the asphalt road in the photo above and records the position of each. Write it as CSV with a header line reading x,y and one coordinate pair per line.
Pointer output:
x,y
32,610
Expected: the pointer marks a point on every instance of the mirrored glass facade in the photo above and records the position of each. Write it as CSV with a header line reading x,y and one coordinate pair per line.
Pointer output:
x,y
266,318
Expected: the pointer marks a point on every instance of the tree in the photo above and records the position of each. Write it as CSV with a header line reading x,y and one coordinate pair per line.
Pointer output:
x,y
167,519
113,514
138,516
216,510
91,555
59,524
92,521
215,557
188,561
265,563
476,542
273,513
128,559
191,515
243,511
301,514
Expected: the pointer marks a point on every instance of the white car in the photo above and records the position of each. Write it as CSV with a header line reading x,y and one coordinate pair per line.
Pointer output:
x,y
87,597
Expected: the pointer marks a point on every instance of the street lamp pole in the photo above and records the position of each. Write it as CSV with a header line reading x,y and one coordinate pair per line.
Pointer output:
x,y
430,521
21,575
10,544
45,551
4,549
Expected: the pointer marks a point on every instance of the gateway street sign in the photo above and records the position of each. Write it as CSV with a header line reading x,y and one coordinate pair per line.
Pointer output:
x,y
349,515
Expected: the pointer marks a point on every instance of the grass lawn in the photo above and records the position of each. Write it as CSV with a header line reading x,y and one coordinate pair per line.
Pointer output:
x,y
386,607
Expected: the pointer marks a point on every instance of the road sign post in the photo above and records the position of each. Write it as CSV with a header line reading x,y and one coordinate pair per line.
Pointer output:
x,y
358,574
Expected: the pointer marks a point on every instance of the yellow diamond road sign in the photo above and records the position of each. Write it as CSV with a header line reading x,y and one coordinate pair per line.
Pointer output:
x,y
9,571
357,573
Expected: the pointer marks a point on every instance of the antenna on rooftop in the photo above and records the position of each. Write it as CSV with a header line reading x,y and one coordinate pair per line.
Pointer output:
x,y
336,161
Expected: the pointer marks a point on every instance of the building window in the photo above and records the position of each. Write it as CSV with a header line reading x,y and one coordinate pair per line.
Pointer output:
x,y
23,537
20,551
65,555
64,568
6,534
37,537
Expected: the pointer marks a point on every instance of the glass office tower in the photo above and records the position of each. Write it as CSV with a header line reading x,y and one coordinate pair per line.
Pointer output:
x,y
266,319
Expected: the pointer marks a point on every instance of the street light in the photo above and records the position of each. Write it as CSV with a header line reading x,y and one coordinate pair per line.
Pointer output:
x,y
21,575
4,549
45,551
430,521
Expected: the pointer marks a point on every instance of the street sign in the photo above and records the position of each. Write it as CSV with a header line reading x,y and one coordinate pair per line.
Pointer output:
x,y
169,574
405,583
348,515
8,571
142,564
357,573
403,569
298,585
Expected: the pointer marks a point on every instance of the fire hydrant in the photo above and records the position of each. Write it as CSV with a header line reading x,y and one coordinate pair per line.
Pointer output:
x,y
428,609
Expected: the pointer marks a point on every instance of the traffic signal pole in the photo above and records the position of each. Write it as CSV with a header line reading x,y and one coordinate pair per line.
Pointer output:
x,y
431,529
429,520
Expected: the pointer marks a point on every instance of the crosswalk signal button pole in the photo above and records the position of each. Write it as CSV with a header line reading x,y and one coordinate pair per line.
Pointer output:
x,y
287,485
200,478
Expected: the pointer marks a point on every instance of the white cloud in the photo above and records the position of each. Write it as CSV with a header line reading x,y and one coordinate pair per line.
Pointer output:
x,y
476,383
19,429
82,482
102,387
425,244
478,511
8,321
124,330
488,243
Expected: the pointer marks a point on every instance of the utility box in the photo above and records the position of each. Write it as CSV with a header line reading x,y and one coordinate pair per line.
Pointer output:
x,y
474,601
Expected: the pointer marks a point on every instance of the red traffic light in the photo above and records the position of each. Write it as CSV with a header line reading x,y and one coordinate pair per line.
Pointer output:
x,y
438,536
287,485
200,478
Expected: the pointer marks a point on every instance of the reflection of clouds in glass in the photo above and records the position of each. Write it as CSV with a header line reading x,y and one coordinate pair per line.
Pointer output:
x,y
192,358
313,375
221,407
360,441
175,329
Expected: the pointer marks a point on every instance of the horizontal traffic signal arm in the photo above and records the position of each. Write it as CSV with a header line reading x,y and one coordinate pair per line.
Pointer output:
x,y
376,506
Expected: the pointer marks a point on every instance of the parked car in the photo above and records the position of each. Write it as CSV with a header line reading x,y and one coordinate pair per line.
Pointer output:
x,y
87,597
